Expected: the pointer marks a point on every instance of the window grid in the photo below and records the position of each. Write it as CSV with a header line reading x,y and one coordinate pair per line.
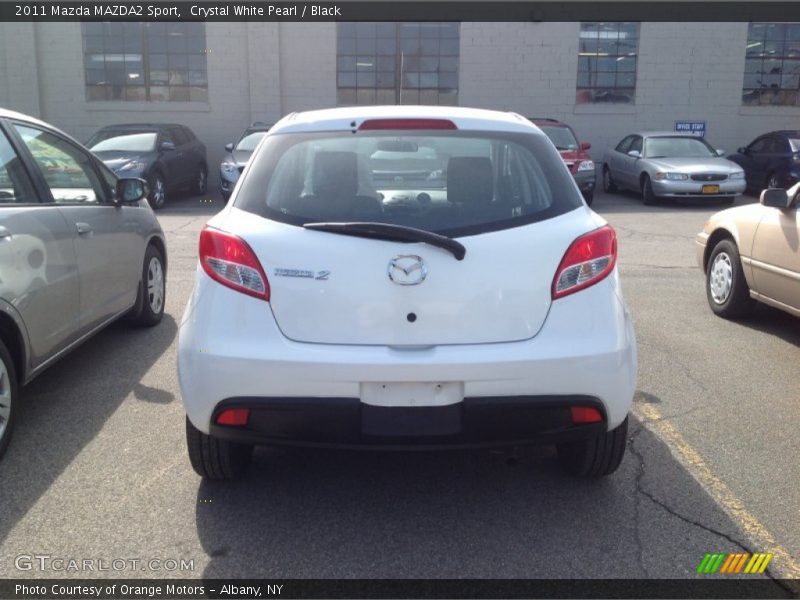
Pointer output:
x,y
772,65
607,57
397,63
157,62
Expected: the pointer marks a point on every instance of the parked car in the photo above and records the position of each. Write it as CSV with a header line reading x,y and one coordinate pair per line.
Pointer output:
x,y
574,154
771,160
354,298
237,156
671,165
167,156
79,248
749,253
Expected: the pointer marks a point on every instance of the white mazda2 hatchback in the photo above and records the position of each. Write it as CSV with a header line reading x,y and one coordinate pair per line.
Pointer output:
x,y
406,278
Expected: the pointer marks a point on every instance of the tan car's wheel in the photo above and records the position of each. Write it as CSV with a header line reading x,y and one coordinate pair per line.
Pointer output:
x,y
726,287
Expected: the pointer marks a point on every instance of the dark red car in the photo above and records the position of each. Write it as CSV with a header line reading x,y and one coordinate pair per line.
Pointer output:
x,y
575,154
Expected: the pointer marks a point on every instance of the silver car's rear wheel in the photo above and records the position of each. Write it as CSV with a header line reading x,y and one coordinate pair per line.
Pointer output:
x,y
720,279
8,395
153,288
155,284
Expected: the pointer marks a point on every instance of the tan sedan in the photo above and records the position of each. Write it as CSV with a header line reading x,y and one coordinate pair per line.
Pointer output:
x,y
751,253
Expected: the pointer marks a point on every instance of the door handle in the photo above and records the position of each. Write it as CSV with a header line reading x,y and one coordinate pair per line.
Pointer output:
x,y
83,228
4,233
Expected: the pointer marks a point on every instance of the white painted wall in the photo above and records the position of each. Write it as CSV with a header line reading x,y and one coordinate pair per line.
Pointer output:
x,y
261,71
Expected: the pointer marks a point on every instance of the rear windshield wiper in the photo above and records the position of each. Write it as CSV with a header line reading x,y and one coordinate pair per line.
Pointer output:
x,y
386,231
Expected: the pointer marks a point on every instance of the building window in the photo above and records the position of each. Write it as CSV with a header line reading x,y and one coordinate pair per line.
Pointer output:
x,y
772,64
607,62
158,62
397,63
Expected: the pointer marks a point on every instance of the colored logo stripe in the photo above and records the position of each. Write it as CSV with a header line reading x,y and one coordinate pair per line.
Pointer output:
x,y
734,563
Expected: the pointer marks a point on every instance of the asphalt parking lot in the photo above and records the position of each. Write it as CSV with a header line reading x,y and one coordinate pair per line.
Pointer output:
x,y
98,466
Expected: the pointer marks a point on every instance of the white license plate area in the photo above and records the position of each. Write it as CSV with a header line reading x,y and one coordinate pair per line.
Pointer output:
x,y
412,394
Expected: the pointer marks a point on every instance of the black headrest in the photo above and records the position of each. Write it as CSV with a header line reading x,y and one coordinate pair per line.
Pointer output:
x,y
469,180
335,174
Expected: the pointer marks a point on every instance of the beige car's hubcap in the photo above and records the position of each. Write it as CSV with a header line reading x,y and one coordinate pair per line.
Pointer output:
x,y
720,280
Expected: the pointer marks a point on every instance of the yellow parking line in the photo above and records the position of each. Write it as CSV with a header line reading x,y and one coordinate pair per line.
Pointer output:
x,y
783,565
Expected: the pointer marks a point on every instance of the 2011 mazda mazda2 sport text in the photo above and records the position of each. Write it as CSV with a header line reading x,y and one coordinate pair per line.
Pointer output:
x,y
405,278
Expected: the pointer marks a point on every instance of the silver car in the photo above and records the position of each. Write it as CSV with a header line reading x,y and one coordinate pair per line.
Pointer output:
x,y
671,165
78,249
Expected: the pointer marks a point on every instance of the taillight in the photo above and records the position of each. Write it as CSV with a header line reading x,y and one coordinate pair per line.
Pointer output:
x,y
373,124
230,261
234,416
588,260
585,414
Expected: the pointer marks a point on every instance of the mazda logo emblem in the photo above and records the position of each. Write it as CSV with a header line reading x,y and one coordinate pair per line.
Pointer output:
x,y
407,269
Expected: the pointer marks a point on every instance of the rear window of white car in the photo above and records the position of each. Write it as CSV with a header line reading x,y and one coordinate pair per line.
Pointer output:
x,y
451,182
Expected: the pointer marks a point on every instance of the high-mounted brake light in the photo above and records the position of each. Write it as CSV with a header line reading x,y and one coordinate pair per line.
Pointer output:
x,y
372,124
588,260
233,416
230,261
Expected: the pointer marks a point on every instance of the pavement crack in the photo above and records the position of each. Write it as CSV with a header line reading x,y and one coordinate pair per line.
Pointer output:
x,y
637,505
663,505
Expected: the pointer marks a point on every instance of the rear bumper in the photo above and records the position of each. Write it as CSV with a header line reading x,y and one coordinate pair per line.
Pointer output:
x,y
231,347
349,423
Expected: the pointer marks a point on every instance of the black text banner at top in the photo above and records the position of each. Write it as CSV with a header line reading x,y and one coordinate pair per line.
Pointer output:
x,y
486,11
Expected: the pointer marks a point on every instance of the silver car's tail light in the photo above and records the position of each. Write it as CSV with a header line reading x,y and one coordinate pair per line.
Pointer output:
x,y
228,260
588,260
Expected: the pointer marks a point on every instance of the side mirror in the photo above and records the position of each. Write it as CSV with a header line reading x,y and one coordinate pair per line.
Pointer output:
x,y
742,150
720,152
131,189
166,147
585,145
228,147
635,153
776,198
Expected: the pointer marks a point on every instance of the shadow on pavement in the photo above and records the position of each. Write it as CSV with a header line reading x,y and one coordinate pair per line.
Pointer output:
x,y
326,514
64,408
180,202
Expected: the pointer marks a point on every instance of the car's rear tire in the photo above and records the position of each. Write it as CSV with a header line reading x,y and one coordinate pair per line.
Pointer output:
x,y
608,183
158,191
200,185
648,196
8,396
595,457
152,289
726,288
773,181
217,459
589,197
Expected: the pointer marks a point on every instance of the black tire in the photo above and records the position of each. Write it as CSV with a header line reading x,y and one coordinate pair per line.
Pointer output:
x,y
608,183
200,184
589,197
151,309
773,181
158,190
595,457
213,458
8,397
737,303
648,197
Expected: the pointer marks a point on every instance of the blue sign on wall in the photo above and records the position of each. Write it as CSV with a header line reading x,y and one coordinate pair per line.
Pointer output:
x,y
697,128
